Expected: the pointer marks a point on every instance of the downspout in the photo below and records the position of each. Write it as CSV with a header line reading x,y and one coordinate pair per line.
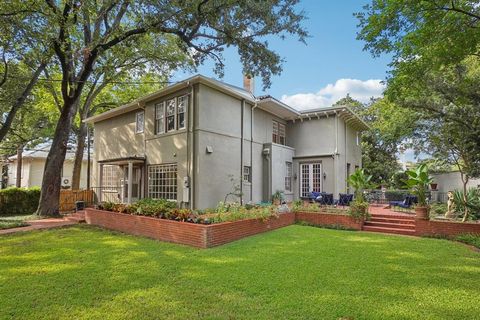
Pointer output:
x,y
251,148
241,150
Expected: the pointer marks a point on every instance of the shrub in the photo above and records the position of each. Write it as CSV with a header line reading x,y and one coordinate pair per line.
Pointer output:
x,y
359,210
438,208
19,201
468,238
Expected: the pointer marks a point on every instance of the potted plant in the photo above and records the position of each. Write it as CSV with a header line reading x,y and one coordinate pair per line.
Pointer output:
x,y
418,181
359,182
277,197
433,186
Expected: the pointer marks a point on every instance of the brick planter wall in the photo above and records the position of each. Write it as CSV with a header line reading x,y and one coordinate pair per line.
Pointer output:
x,y
221,233
329,219
445,228
196,235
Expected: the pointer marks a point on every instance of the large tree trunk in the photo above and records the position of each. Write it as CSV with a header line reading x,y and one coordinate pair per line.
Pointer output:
x,y
18,183
51,183
77,164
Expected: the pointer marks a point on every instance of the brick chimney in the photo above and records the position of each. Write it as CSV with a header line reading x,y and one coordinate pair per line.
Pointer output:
x,y
249,83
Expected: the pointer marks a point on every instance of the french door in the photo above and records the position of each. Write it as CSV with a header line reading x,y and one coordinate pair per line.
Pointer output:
x,y
310,178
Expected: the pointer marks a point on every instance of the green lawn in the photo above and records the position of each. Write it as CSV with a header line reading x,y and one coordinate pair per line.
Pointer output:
x,y
296,272
14,221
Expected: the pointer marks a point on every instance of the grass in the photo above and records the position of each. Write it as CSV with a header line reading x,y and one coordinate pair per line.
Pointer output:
x,y
14,221
296,272
471,239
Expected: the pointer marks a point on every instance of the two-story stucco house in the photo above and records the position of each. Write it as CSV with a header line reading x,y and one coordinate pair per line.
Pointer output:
x,y
187,141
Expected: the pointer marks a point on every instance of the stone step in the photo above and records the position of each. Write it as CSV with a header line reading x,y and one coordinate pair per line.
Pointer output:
x,y
393,225
389,230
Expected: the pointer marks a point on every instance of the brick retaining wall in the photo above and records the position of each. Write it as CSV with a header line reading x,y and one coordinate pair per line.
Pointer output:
x,y
445,228
196,235
329,219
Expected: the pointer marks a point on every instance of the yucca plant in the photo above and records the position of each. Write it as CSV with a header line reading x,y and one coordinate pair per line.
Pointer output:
x,y
470,207
418,181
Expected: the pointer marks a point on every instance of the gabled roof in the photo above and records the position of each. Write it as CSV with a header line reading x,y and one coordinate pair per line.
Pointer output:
x,y
266,103
41,152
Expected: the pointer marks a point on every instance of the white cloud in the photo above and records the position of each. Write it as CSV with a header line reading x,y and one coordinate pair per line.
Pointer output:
x,y
328,95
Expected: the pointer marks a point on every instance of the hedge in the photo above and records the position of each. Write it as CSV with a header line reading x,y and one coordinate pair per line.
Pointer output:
x,y
15,201
396,195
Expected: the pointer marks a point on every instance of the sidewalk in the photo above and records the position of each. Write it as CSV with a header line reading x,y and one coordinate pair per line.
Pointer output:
x,y
40,224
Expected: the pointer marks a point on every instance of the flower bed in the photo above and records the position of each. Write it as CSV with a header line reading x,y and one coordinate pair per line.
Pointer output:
x,y
193,234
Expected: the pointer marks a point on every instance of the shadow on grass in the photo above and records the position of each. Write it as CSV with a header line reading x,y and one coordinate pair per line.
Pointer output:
x,y
293,272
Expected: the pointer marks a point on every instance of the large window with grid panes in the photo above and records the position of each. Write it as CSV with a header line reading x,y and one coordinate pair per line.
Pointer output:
x,y
278,133
170,115
162,181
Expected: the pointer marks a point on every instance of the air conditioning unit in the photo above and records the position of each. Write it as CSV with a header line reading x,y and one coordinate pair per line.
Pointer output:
x,y
65,181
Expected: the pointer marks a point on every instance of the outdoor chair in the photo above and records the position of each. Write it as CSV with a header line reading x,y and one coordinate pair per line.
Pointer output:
x,y
325,199
405,204
344,199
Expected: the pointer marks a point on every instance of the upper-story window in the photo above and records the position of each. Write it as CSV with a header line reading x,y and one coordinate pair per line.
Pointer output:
x,y
170,115
160,118
181,108
139,122
278,133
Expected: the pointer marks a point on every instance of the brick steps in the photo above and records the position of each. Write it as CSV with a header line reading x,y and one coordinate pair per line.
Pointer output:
x,y
78,217
389,230
396,224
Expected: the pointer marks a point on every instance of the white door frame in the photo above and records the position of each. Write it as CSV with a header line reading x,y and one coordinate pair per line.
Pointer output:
x,y
310,166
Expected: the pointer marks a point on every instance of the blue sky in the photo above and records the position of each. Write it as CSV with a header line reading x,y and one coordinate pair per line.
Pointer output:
x,y
319,73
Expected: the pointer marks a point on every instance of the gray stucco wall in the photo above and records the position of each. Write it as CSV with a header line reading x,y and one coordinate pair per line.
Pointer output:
x,y
215,120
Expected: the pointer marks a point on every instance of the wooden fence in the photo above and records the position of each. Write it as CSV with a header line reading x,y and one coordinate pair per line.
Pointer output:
x,y
69,197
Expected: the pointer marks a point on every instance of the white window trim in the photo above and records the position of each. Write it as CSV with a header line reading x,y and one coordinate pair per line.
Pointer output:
x,y
288,175
164,118
162,190
185,111
136,122
310,177
174,115
249,174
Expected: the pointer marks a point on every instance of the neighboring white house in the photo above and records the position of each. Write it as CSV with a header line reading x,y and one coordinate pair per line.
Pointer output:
x,y
33,165
451,181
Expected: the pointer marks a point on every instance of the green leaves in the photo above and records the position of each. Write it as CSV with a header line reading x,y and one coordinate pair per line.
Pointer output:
x,y
359,181
418,181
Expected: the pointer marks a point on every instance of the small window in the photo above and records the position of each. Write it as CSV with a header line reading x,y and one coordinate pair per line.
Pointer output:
x,y
181,110
278,133
358,138
171,115
281,134
160,118
139,122
275,132
247,174
288,176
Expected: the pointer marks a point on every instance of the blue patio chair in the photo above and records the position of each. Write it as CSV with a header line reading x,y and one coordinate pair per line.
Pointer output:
x,y
314,195
344,199
405,204
325,199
